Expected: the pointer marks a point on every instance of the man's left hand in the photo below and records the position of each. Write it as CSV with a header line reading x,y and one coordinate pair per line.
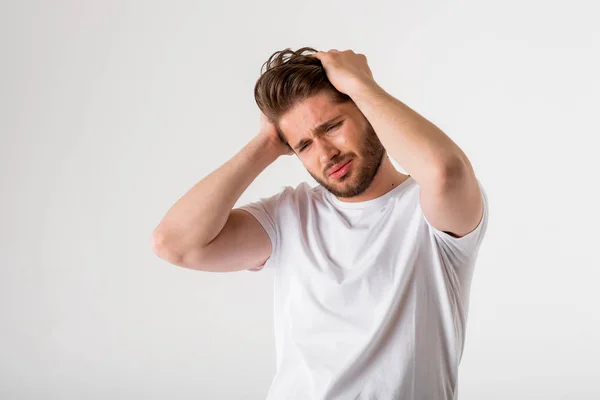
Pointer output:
x,y
347,71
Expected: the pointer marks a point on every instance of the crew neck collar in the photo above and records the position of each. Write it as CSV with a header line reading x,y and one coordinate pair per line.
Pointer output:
x,y
378,201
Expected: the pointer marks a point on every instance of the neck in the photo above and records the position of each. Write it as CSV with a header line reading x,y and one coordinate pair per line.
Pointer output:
x,y
386,179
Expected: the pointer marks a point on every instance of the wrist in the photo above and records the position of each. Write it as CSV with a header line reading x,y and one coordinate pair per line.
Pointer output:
x,y
264,146
365,89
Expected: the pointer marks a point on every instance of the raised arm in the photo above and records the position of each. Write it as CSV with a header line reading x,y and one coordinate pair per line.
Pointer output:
x,y
200,231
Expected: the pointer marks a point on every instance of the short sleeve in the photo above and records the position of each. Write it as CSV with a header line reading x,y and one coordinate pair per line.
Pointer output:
x,y
265,212
463,250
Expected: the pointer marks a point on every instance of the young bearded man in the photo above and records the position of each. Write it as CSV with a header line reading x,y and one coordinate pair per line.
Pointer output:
x,y
372,267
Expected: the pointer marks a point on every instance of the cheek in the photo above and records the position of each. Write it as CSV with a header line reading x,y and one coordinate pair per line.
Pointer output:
x,y
308,166
340,141
348,144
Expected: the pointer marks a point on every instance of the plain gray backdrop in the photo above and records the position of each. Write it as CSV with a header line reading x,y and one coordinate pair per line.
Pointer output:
x,y
112,110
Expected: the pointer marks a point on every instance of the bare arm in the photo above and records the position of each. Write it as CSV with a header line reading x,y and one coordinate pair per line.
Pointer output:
x,y
196,219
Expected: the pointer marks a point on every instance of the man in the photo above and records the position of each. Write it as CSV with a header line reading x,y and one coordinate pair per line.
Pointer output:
x,y
372,267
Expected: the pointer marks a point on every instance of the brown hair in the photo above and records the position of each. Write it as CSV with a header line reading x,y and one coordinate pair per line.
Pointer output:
x,y
289,78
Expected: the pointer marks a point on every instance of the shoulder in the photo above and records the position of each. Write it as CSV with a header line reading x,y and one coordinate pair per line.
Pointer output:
x,y
303,190
296,195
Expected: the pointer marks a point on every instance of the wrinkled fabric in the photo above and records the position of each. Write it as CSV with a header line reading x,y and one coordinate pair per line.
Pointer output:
x,y
370,300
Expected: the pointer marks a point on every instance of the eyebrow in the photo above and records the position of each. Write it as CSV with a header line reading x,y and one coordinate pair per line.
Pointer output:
x,y
321,128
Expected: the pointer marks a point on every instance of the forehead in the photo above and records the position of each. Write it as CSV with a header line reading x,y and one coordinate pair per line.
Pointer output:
x,y
308,114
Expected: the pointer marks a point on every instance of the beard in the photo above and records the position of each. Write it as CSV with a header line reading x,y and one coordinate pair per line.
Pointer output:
x,y
360,176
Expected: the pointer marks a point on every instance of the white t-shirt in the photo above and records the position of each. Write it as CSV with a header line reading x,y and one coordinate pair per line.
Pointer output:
x,y
370,300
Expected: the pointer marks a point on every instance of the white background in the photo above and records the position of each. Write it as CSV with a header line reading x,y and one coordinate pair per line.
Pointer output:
x,y
112,110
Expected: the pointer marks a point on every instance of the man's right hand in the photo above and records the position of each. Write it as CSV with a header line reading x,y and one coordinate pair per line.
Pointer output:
x,y
268,130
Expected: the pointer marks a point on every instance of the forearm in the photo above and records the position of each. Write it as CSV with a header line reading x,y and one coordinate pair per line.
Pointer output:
x,y
420,147
198,216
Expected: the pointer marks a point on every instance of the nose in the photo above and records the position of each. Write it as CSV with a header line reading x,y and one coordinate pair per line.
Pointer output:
x,y
326,151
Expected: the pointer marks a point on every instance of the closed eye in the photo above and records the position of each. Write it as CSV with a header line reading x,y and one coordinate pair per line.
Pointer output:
x,y
328,129
334,126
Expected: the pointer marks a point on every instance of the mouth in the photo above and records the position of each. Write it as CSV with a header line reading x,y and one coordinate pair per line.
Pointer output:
x,y
341,171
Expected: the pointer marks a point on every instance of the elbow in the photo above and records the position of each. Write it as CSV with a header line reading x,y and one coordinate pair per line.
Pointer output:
x,y
189,260
158,244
